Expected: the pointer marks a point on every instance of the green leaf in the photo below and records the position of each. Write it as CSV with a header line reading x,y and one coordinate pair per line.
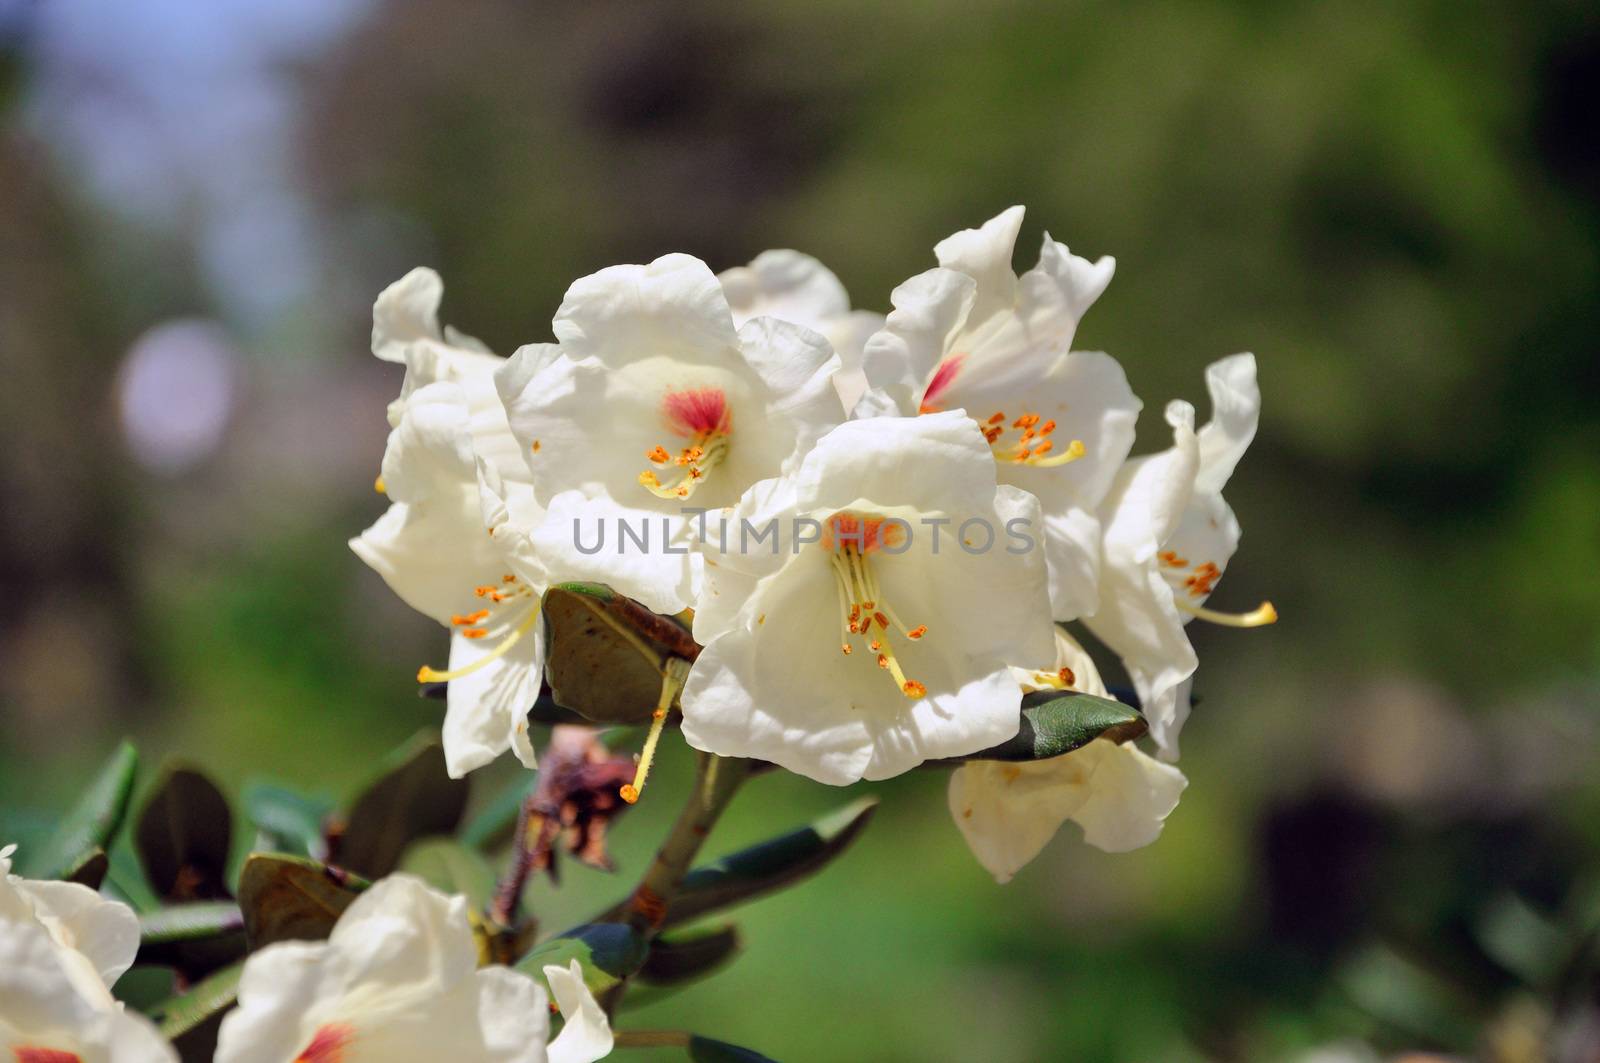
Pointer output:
x,y
764,868
288,898
690,955
292,821
143,988
190,1019
1055,722
609,953
91,823
705,1050
190,922
194,938
91,870
412,797
448,865
607,653
183,835
125,879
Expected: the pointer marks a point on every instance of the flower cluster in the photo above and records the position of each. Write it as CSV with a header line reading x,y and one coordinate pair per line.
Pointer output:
x,y
398,979
874,526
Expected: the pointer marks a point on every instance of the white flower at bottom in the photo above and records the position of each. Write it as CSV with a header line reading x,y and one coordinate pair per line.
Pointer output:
x,y
1119,795
397,981
98,938
795,287
49,1014
866,639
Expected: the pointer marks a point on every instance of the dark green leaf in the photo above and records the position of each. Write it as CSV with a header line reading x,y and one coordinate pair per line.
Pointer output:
x,y
607,652
190,922
609,953
690,955
183,835
190,1019
412,798
143,988
195,938
705,1050
292,821
448,865
125,879
90,824
1055,722
292,898
91,870
765,868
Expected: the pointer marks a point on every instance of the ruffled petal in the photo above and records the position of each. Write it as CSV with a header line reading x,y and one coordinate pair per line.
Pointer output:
x,y
407,310
984,254
586,1035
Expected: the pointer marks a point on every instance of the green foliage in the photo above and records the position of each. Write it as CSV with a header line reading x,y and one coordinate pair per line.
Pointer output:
x,y
705,1050
1055,722
288,898
451,866
690,955
287,820
190,1019
412,797
72,849
183,836
608,953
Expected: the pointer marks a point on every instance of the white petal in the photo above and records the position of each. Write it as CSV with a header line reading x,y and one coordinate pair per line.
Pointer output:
x,y
800,404
104,931
487,711
1147,497
1235,412
1072,554
788,285
283,990
929,311
1138,621
586,1036
512,1016
1057,292
1130,795
597,539
407,310
984,254
404,935
40,991
1008,812
937,463
672,307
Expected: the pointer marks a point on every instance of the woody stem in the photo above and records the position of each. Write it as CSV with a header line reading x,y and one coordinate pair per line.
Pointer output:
x,y
716,781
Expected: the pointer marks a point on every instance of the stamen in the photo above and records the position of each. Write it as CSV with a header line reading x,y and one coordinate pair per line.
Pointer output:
x,y
378,486
1041,453
1260,616
672,681
862,609
509,633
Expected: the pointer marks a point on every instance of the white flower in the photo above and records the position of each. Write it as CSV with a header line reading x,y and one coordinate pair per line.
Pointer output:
x,y
1168,538
794,287
97,937
653,402
434,547
48,1014
1119,795
973,335
867,639
398,980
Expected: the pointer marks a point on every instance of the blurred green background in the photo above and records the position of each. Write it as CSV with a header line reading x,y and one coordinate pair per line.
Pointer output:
x,y
1397,206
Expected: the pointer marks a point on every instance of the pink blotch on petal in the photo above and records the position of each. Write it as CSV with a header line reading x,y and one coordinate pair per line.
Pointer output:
x,y
327,1045
943,377
697,411
45,1055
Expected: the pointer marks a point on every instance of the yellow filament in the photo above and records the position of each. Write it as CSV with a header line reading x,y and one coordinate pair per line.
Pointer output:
x,y
671,682
1260,616
712,450
1019,454
434,675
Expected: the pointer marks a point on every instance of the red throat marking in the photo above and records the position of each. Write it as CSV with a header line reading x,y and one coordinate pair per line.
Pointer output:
x,y
45,1055
943,377
327,1044
696,412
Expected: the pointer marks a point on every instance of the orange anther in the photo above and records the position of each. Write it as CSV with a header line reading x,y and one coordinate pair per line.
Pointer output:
x,y
1066,676
659,455
913,689
917,632
883,660
997,418
1043,448
882,620
475,632
1046,428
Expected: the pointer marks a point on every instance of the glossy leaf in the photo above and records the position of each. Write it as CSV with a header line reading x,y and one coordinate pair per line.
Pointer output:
x,y
190,922
705,1050
190,1019
412,797
292,821
91,870
765,868
607,652
452,867
292,898
609,953
690,955
91,823
182,837
1055,722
